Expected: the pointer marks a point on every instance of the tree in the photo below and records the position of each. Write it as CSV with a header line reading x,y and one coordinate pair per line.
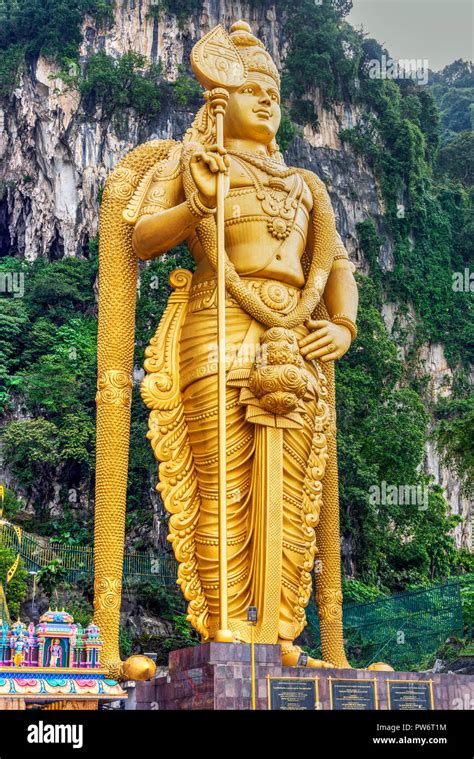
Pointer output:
x,y
52,576
456,159
31,452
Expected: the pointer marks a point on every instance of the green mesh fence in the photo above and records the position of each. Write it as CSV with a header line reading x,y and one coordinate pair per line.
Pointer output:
x,y
403,628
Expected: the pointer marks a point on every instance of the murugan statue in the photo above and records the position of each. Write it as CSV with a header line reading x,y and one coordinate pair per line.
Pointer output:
x,y
290,312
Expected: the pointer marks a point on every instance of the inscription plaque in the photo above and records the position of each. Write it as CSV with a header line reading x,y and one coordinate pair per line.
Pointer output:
x,y
410,695
352,695
293,693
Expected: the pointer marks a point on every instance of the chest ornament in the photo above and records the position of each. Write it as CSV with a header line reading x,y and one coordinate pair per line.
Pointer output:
x,y
278,203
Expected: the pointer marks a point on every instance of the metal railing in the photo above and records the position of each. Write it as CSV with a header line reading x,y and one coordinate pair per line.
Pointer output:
x,y
79,560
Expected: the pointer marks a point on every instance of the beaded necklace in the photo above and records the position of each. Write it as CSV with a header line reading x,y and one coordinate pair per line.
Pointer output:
x,y
265,163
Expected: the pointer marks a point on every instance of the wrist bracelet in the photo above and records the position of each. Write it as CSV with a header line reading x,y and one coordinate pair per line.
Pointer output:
x,y
344,321
197,207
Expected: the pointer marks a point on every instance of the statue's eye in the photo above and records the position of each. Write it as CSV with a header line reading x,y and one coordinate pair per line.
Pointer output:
x,y
249,90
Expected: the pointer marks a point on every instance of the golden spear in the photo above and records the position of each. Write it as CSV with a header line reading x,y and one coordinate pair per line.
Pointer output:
x,y
219,67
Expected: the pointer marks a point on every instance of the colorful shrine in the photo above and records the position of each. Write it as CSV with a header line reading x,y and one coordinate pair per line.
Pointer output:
x,y
56,642
56,660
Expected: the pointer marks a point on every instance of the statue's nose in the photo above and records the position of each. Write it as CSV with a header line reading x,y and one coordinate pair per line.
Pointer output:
x,y
265,98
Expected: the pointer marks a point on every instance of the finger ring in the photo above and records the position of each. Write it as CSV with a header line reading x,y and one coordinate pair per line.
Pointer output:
x,y
331,347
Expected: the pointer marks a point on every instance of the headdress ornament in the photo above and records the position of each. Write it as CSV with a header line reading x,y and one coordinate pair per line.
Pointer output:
x,y
253,51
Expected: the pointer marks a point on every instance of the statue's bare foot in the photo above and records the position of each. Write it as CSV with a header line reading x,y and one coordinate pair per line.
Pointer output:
x,y
225,636
290,657
381,666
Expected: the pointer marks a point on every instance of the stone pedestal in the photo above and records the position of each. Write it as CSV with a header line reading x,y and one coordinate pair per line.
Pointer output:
x,y
218,676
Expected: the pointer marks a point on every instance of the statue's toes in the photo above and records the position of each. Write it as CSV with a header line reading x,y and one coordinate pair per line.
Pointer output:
x,y
291,658
319,663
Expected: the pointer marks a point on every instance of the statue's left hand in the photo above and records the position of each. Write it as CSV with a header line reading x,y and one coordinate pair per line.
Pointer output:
x,y
326,341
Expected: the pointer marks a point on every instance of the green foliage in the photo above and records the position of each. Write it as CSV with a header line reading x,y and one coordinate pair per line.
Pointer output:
x,y
62,381
184,635
38,451
52,28
186,89
382,430
453,90
17,589
456,159
287,131
451,650
11,66
13,321
429,224
125,642
370,243
48,350
102,11
182,9
31,450
357,592
67,531
160,600
323,51
455,439
167,604
60,289
118,84
11,506
52,576
81,610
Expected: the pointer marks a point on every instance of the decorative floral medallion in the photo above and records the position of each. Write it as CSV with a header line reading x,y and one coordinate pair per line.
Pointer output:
x,y
278,296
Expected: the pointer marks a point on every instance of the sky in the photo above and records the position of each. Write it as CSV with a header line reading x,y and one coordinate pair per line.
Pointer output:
x,y
440,31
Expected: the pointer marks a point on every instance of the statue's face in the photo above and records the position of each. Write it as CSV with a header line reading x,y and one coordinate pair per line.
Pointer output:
x,y
253,111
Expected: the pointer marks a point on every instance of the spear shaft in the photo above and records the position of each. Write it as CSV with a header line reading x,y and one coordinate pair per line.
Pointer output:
x,y
220,69
218,99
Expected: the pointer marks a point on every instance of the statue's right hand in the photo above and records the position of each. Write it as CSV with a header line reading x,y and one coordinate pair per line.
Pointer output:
x,y
205,166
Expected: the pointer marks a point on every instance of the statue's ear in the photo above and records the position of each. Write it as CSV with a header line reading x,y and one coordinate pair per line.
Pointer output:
x,y
150,195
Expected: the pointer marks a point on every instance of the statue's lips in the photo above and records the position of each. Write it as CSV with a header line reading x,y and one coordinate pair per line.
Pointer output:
x,y
265,114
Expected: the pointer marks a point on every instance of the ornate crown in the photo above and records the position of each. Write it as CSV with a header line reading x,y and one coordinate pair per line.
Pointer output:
x,y
253,51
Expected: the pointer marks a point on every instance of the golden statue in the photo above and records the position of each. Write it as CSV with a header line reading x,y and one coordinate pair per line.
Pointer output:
x,y
253,500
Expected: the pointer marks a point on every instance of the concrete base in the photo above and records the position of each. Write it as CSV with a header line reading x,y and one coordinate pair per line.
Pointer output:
x,y
218,676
